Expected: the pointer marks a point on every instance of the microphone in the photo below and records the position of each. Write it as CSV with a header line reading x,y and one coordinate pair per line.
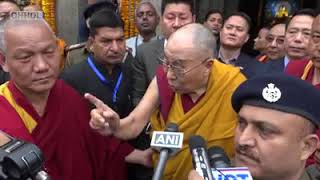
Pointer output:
x,y
221,166
218,157
167,142
199,157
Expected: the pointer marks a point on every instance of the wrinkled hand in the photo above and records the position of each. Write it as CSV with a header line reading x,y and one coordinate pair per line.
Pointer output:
x,y
103,118
193,175
147,157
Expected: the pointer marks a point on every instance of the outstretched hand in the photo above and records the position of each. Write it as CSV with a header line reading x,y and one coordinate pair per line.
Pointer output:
x,y
103,118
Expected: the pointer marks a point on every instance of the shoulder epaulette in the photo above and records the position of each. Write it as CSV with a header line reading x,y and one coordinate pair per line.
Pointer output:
x,y
75,46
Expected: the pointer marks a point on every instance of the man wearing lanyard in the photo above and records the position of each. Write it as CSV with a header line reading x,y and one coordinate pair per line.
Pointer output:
x,y
146,21
105,72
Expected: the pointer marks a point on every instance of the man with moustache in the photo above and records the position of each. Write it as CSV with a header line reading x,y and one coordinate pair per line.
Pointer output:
x,y
104,73
234,34
77,52
191,89
146,21
276,133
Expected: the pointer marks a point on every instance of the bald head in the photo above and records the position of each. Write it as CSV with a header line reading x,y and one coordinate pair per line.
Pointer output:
x,y
32,7
13,27
194,36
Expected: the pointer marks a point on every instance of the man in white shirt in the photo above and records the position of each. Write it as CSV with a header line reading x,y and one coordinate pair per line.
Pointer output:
x,y
146,20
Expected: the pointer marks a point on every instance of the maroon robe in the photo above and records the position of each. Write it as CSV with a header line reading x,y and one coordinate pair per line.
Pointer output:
x,y
71,149
167,95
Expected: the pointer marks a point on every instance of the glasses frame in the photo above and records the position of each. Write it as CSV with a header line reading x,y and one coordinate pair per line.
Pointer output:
x,y
177,70
277,39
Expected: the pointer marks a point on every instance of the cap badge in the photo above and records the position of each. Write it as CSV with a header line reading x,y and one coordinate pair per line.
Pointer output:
x,y
271,93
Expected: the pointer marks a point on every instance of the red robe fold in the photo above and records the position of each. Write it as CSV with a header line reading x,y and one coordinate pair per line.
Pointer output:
x,y
71,149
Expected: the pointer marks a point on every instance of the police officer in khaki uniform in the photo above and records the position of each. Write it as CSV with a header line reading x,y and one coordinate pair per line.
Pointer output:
x,y
78,52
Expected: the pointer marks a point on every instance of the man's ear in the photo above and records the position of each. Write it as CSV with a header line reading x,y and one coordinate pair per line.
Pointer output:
x,y
247,38
90,43
2,58
5,67
208,64
3,63
309,145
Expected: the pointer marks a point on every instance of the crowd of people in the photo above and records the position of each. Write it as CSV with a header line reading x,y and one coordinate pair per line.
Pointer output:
x,y
91,107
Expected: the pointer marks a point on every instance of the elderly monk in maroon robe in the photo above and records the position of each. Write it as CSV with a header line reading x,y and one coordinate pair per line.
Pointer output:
x,y
36,107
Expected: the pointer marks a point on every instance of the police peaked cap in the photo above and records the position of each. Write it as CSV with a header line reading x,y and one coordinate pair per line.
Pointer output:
x,y
280,92
99,6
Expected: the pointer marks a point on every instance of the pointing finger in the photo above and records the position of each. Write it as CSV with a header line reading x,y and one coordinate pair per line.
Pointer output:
x,y
97,102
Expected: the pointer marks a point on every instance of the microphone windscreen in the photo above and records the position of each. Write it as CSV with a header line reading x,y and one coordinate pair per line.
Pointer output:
x,y
217,154
196,142
172,127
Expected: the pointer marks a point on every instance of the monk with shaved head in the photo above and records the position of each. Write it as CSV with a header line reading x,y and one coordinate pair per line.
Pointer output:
x,y
37,107
191,89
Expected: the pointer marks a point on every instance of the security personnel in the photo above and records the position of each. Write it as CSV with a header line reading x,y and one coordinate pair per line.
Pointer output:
x,y
77,52
276,132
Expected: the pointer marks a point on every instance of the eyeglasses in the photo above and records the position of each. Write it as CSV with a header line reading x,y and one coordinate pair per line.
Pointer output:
x,y
279,40
177,70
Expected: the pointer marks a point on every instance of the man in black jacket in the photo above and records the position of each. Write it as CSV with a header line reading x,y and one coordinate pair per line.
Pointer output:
x,y
234,34
106,71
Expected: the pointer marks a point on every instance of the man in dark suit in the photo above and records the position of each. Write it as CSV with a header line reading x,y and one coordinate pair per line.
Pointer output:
x,y
275,48
174,14
234,34
296,40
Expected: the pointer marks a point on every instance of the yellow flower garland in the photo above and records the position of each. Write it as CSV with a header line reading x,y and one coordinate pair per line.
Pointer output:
x,y
48,8
127,13
127,9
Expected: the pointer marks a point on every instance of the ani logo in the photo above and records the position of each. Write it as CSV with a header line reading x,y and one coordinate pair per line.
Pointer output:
x,y
271,93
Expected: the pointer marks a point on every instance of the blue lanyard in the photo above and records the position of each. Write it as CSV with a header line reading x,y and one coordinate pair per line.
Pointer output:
x,y
103,79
